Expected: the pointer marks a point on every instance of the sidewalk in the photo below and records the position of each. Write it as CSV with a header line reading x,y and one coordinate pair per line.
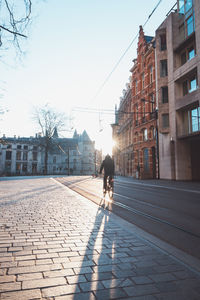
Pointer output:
x,y
57,245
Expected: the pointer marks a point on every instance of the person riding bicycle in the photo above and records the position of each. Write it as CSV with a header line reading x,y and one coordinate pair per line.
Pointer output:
x,y
109,170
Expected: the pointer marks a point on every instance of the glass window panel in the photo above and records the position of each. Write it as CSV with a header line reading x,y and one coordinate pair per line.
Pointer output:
x,y
163,68
191,53
25,155
165,120
164,94
195,120
188,5
193,85
181,6
163,43
8,155
190,27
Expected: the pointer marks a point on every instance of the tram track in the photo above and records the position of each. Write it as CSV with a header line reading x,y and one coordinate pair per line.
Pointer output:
x,y
76,187
174,226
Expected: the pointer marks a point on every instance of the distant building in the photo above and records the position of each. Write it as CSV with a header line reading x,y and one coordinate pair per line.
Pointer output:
x,y
67,156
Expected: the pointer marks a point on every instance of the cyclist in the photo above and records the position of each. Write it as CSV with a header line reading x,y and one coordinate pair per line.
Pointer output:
x,y
109,170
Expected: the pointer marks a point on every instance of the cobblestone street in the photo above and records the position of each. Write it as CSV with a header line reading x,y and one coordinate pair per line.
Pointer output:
x,y
57,245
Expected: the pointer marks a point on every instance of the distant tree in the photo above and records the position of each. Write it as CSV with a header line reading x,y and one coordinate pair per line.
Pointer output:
x,y
49,121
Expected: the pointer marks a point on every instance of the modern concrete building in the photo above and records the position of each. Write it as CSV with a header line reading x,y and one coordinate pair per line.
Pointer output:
x,y
26,156
178,93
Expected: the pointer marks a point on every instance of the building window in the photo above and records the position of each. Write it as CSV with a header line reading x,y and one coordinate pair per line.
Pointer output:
x,y
181,7
191,53
54,159
18,168
19,147
8,167
164,90
192,84
18,155
189,85
34,155
136,86
151,74
184,6
143,111
137,114
165,120
163,44
194,120
190,25
143,81
163,68
34,148
25,155
25,147
9,147
8,155
188,5
145,135
34,168
153,132
152,103
146,159
24,167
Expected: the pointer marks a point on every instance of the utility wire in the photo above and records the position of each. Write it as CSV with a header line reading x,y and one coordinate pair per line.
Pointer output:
x,y
111,111
122,56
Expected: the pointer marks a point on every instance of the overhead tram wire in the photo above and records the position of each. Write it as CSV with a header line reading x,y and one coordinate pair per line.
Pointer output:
x,y
122,56
111,111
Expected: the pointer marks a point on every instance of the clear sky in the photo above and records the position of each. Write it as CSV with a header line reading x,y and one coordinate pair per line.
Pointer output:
x,y
72,47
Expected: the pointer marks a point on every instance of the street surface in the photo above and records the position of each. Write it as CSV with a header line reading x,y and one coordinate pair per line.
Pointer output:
x,y
57,245
166,209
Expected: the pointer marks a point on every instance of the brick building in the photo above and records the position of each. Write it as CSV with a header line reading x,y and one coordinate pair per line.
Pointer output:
x,y
135,128
144,109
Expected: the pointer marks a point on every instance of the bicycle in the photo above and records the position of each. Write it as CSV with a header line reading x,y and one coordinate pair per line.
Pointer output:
x,y
109,187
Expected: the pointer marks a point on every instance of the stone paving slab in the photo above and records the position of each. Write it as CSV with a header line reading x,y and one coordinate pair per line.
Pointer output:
x,y
57,245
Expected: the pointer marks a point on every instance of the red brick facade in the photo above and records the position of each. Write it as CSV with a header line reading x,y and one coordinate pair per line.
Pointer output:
x,y
144,108
135,129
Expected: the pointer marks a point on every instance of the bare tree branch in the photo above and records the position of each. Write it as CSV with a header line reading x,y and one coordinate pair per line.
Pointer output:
x,y
14,19
13,32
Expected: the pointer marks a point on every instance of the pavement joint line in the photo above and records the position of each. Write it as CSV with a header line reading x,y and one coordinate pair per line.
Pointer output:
x,y
185,259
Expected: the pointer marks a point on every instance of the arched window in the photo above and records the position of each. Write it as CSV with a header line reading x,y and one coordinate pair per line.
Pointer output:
x,y
145,134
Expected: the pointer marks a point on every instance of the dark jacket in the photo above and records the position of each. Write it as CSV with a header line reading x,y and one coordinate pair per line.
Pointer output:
x,y
108,166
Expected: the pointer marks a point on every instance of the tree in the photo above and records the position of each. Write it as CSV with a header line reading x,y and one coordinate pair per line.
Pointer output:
x,y
50,122
14,19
